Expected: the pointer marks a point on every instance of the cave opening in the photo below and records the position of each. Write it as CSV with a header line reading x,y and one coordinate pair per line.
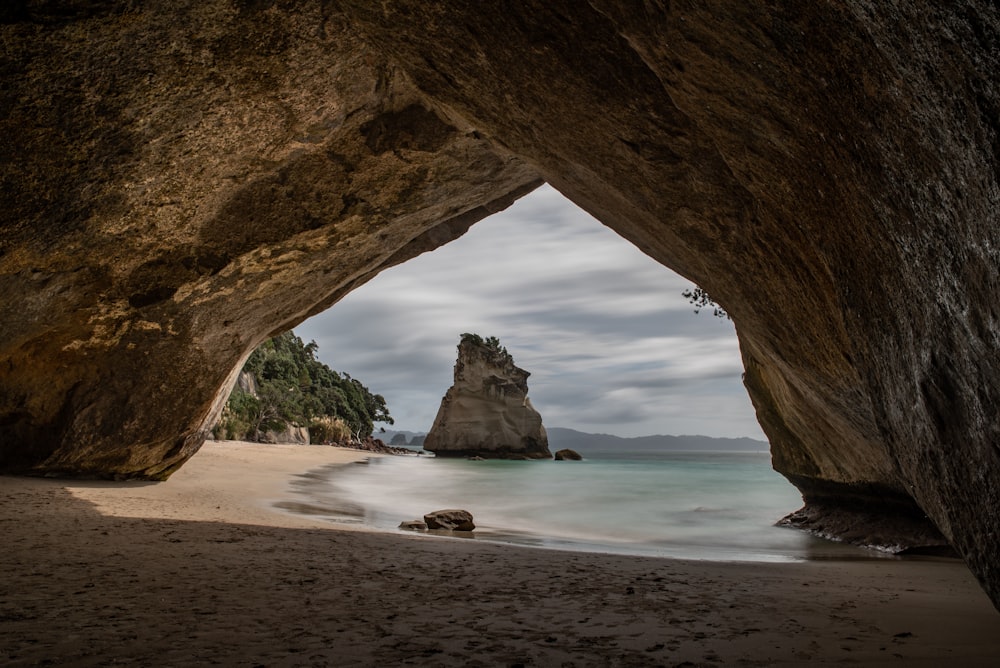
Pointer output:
x,y
611,343
615,351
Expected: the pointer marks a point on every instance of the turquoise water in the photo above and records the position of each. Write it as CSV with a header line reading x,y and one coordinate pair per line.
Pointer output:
x,y
717,506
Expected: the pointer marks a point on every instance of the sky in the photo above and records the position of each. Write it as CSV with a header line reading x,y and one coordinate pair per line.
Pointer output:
x,y
611,344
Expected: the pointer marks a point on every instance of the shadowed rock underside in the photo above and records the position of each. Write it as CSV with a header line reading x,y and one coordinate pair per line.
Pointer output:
x,y
181,180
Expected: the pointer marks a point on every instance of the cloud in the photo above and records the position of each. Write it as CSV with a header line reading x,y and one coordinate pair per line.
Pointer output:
x,y
611,344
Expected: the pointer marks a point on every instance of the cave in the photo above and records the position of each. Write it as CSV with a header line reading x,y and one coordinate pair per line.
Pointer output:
x,y
182,180
610,340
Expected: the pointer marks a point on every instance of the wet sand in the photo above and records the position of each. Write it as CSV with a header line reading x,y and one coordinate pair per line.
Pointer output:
x,y
203,569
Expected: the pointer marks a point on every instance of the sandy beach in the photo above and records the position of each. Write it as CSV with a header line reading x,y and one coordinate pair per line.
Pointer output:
x,y
203,569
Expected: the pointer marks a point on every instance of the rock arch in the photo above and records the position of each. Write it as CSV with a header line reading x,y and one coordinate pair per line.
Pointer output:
x,y
181,180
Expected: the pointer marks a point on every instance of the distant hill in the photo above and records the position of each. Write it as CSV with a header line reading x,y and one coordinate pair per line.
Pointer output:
x,y
560,437
393,436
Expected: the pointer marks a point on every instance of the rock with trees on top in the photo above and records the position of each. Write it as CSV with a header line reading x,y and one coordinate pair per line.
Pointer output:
x,y
486,412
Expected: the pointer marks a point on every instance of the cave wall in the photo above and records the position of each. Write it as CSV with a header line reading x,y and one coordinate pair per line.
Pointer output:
x,y
828,172
181,180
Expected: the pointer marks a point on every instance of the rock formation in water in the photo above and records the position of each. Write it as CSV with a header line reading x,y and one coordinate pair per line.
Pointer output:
x,y
181,180
486,412
567,455
450,519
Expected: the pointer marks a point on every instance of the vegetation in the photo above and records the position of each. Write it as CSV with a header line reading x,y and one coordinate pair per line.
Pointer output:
x,y
491,343
295,388
701,299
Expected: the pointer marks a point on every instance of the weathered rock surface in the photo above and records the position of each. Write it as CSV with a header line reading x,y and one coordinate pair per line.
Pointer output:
x,y
486,412
247,382
291,435
567,455
828,172
870,525
376,445
180,180
450,519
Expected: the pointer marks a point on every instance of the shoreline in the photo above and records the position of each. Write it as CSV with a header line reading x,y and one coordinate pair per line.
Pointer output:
x,y
246,481
325,497
200,568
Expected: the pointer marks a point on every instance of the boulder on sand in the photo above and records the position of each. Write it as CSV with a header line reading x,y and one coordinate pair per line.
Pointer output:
x,y
451,519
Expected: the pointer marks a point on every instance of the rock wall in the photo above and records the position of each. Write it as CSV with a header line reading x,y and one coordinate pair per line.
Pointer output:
x,y
291,435
182,179
827,171
486,412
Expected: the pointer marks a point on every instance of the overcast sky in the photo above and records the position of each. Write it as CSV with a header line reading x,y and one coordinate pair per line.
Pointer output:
x,y
612,345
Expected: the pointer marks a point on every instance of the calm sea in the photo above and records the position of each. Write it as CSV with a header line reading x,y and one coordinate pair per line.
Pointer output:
x,y
706,505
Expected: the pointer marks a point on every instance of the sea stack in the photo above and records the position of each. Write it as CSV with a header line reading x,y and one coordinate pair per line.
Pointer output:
x,y
486,412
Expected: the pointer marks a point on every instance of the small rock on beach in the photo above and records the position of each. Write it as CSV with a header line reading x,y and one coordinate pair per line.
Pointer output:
x,y
451,519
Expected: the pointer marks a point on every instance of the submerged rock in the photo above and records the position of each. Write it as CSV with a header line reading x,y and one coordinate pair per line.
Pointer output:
x,y
413,525
487,413
450,519
371,444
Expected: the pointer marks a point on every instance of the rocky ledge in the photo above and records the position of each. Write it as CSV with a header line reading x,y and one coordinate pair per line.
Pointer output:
x,y
376,445
847,513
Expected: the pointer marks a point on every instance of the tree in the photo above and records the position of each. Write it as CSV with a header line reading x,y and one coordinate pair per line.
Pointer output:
x,y
274,409
491,343
294,387
702,299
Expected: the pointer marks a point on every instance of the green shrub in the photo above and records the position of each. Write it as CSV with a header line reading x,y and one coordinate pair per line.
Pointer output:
x,y
295,388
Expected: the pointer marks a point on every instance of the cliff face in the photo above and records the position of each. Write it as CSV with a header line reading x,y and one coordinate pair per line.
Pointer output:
x,y
828,172
181,180
486,412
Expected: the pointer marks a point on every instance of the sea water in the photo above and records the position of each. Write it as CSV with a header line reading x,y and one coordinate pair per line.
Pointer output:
x,y
694,505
